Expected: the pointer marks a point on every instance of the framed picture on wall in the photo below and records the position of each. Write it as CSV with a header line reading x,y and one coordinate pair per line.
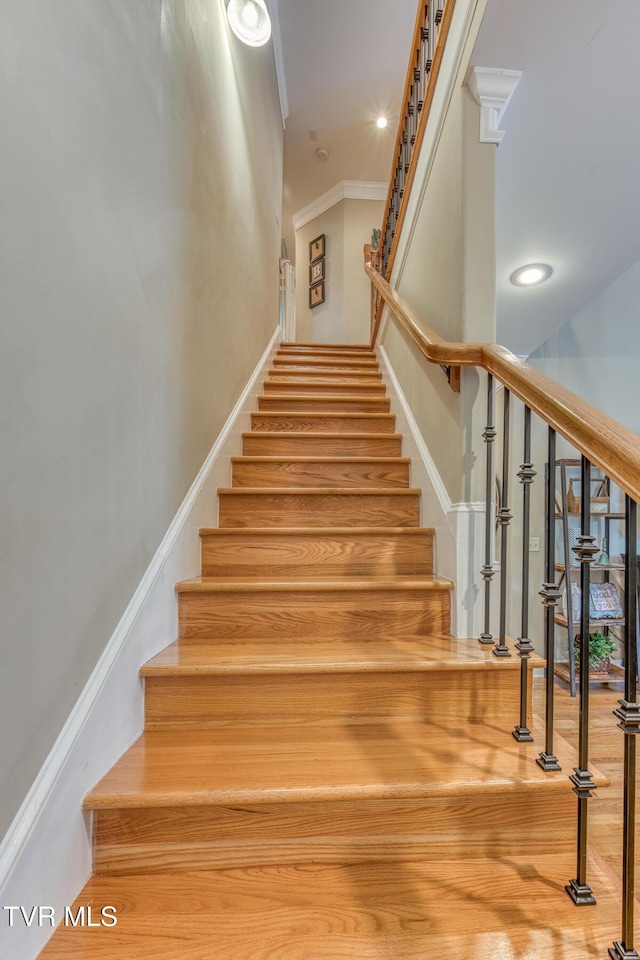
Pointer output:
x,y
316,294
316,272
316,249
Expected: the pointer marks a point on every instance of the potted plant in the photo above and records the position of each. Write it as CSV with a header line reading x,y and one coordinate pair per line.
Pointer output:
x,y
601,647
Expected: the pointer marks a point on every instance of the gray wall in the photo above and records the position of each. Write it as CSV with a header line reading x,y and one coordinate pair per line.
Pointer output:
x,y
596,353
142,165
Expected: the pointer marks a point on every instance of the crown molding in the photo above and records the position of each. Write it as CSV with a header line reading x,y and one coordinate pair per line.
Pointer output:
x,y
276,36
492,88
345,190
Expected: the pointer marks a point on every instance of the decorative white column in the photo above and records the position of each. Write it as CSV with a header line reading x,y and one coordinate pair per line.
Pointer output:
x,y
492,88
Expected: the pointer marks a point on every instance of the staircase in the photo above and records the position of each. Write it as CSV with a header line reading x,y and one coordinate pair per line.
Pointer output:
x,y
325,772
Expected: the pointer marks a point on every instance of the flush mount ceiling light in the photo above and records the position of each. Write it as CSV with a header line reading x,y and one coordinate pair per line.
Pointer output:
x,y
531,274
381,122
250,21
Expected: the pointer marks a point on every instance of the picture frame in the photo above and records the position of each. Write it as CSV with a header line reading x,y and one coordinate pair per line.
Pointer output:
x,y
316,271
316,249
316,295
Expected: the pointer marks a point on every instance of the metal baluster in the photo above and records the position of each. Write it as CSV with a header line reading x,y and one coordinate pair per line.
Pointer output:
x,y
629,715
550,594
487,571
524,645
567,578
501,649
583,785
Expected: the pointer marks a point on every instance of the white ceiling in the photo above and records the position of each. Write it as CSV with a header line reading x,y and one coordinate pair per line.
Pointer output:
x,y
568,169
345,63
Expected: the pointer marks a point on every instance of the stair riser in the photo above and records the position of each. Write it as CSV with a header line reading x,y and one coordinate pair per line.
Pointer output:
x,y
327,351
316,404
487,824
338,388
303,345
288,473
318,510
308,556
319,375
269,445
305,615
322,363
445,695
325,423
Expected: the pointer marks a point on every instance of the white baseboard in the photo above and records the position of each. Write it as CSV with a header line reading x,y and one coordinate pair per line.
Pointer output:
x,y
459,527
45,857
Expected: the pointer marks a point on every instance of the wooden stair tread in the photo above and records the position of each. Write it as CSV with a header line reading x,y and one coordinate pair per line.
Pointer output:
x,y
295,344
421,583
293,362
319,459
397,654
284,435
315,531
322,375
321,491
498,909
310,415
327,761
321,398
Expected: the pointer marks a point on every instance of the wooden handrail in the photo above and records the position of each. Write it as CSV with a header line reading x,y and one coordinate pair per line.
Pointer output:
x,y
442,25
600,438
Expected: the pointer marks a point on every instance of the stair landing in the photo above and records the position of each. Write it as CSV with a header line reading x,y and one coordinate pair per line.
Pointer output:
x,y
502,908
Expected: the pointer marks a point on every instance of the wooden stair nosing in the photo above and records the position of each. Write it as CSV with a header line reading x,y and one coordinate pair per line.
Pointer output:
x,y
270,764
423,584
420,655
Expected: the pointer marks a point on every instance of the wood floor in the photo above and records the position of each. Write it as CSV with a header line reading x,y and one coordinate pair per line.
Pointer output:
x,y
325,773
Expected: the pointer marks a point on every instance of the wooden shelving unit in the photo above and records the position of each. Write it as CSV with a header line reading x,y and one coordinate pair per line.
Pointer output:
x,y
566,670
616,674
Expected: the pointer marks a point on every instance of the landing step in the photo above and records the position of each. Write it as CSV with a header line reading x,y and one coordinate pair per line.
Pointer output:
x,y
505,906
270,763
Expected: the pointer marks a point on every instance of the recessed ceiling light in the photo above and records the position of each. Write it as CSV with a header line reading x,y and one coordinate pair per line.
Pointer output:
x,y
531,274
250,21
381,122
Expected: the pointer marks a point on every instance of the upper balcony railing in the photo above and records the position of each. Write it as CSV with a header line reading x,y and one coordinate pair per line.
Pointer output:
x,y
429,38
